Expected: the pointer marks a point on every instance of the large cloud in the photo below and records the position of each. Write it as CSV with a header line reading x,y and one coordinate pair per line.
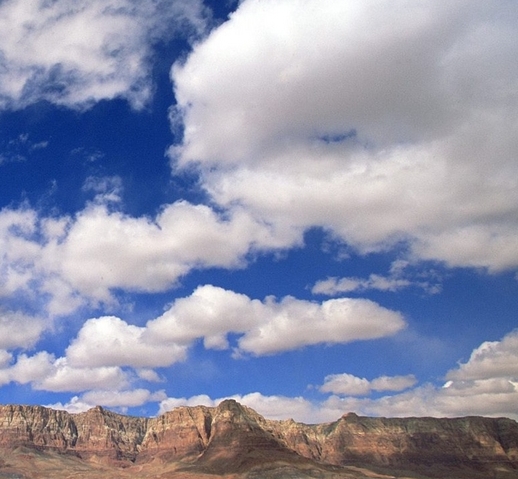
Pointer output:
x,y
71,264
211,313
271,326
151,254
380,122
110,341
78,53
44,372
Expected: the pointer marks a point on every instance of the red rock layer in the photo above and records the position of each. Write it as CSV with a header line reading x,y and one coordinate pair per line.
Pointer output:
x,y
232,437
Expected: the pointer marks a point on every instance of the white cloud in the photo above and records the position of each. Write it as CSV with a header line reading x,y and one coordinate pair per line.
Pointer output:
x,y
64,377
200,400
18,330
74,406
332,286
349,385
110,341
44,372
70,264
393,383
130,398
149,375
492,359
487,395
107,188
17,250
293,324
268,326
5,359
489,399
142,254
31,369
73,265
380,123
211,313
94,359
425,401
346,384
400,276
109,398
76,54
485,385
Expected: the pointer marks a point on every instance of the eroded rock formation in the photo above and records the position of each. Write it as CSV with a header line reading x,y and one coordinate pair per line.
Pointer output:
x,y
232,438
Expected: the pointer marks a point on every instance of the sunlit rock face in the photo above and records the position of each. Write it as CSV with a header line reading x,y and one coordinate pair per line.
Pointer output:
x,y
234,439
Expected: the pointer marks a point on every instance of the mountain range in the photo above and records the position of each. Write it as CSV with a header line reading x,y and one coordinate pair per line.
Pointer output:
x,y
234,441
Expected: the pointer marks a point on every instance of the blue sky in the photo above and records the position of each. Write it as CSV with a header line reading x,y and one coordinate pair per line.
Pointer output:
x,y
309,206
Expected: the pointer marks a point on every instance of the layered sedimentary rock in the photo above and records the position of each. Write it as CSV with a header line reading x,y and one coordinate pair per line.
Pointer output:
x,y
234,438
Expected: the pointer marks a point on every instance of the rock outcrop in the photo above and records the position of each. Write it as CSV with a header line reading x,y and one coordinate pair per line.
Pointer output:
x,y
232,438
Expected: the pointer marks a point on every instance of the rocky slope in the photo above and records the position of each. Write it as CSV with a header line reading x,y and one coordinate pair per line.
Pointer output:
x,y
233,439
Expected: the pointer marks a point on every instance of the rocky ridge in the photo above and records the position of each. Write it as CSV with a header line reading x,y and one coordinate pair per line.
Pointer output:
x,y
232,438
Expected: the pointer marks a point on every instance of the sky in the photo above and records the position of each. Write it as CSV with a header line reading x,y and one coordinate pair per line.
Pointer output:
x,y
310,206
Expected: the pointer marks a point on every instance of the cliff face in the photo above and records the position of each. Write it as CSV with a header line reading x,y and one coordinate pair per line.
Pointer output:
x,y
471,441
233,438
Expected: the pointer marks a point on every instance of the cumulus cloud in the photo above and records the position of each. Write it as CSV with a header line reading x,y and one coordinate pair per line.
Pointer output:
x,y
333,285
143,254
64,377
27,369
110,341
211,313
492,359
76,54
21,261
45,372
349,385
5,359
104,385
396,124
270,326
72,265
